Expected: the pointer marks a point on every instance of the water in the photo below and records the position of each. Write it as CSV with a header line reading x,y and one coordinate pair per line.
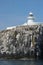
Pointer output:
x,y
18,62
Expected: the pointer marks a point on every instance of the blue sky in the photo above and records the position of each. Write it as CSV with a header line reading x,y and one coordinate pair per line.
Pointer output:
x,y
15,12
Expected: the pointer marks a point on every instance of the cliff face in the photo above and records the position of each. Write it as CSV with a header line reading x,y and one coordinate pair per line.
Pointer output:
x,y
22,40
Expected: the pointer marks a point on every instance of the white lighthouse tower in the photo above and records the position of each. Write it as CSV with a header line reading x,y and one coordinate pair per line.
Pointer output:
x,y
31,19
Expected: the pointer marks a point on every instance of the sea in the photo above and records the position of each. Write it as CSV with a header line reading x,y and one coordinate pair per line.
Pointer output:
x,y
21,62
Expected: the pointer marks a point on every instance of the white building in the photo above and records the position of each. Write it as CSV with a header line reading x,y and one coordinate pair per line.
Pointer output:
x,y
30,21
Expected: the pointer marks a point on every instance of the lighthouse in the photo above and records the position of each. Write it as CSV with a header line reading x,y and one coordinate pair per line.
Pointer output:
x,y
30,20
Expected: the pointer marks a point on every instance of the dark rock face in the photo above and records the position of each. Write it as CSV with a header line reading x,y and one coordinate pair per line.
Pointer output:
x,y
23,41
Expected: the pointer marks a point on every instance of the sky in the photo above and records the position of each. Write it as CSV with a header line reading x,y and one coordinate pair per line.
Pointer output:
x,y
15,12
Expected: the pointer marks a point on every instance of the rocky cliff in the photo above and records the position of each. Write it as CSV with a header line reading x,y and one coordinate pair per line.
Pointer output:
x,y
22,41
